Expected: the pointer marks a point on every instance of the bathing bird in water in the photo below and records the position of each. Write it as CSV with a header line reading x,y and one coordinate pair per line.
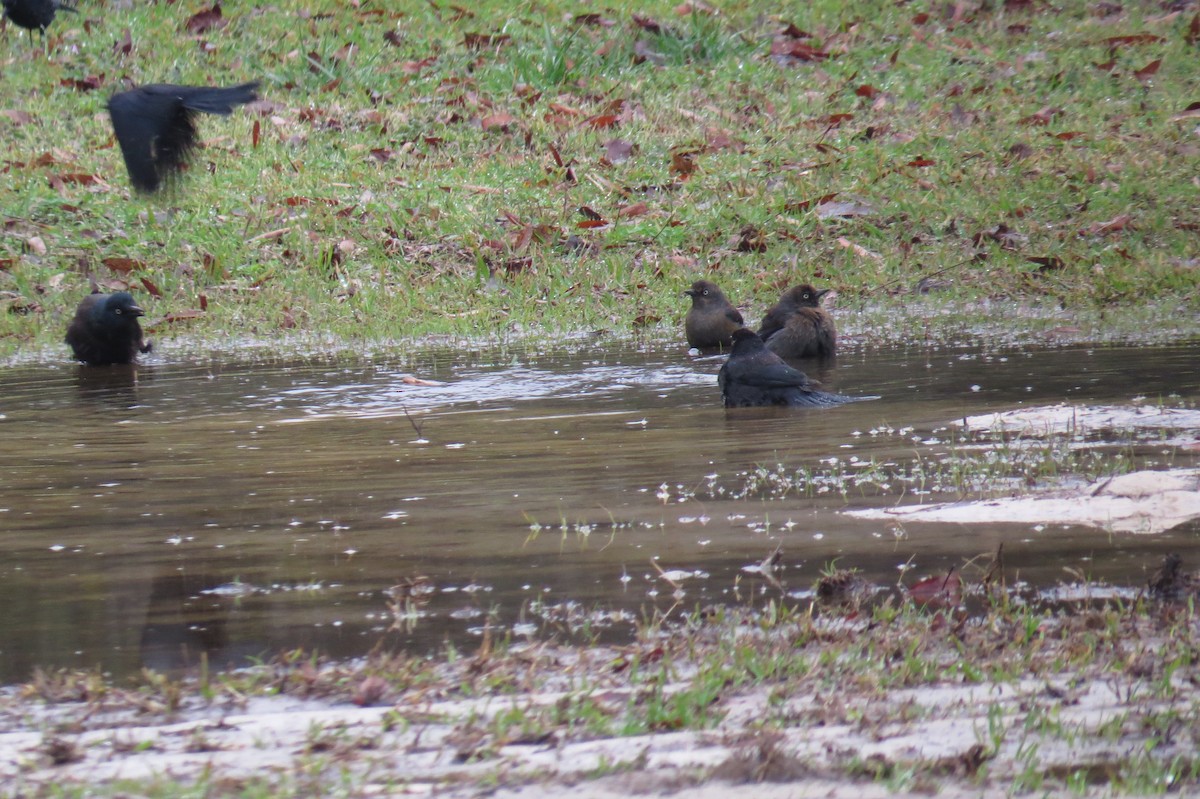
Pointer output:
x,y
106,330
711,320
754,376
798,327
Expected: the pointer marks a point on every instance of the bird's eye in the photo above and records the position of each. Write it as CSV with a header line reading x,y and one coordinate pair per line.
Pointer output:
x,y
706,292
807,296
118,311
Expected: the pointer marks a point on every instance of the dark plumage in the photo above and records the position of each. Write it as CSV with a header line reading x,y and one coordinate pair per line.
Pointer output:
x,y
754,376
156,126
105,330
34,15
711,320
798,327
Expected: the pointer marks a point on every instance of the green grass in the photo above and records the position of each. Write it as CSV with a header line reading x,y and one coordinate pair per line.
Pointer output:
x,y
416,180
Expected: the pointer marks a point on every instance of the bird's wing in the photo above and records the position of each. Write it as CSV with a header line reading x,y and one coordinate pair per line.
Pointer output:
x,y
735,316
766,373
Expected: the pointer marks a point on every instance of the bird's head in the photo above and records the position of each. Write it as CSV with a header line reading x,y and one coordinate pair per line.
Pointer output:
x,y
805,296
704,292
119,308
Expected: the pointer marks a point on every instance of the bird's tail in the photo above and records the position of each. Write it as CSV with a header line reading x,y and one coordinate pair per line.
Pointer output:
x,y
219,100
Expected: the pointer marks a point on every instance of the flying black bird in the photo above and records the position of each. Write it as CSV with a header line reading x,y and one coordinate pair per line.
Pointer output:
x,y
34,15
711,320
798,327
105,330
755,376
156,126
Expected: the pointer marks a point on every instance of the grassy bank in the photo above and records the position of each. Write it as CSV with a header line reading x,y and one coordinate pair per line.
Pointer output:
x,y
475,171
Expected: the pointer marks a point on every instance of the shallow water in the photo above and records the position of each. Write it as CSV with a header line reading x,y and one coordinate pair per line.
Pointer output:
x,y
150,515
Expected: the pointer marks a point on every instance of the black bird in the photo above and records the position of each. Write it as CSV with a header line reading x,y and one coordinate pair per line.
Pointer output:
x,y
105,330
711,320
34,15
798,327
156,126
754,376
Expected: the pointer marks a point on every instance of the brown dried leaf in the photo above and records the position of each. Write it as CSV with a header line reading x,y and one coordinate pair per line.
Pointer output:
x,y
124,45
751,239
122,265
1193,32
182,316
630,211
151,288
89,84
602,121
1047,263
1042,117
485,41
1114,225
500,121
206,20
834,209
937,592
1137,38
17,117
1145,73
683,164
791,50
617,150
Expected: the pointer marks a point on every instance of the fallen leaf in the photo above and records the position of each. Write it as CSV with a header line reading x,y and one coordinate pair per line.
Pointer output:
x,y
617,150
630,211
791,50
1042,117
602,121
1193,32
683,164
937,591
484,41
500,121
751,239
1145,73
122,265
1047,262
1114,225
88,84
151,288
205,20
834,209
182,316
124,45
1138,38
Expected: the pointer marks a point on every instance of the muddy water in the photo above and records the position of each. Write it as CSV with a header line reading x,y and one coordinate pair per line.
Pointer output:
x,y
150,515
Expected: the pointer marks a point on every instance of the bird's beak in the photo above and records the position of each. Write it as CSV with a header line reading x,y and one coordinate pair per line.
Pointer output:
x,y
135,310
690,292
822,293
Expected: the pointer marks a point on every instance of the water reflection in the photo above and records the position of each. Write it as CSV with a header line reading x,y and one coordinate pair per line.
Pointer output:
x,y
154,513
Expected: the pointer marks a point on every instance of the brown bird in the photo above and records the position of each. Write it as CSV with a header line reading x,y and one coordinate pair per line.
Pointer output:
x,y
798,327
105,330
711,320
754,376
